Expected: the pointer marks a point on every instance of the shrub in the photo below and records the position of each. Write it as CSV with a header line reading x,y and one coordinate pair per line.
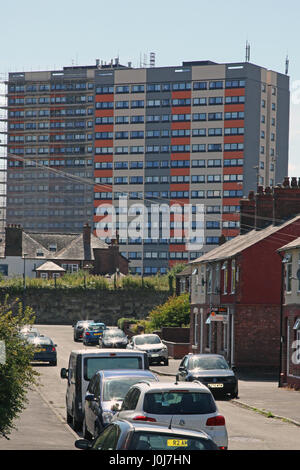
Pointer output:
x,y
16,372
174,312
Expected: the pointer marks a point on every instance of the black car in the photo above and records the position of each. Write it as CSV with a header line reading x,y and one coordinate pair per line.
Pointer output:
x,y
212,370
79,329
131,435
113,338
44,349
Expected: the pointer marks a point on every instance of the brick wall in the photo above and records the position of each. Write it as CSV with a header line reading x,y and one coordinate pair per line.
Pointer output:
x,y
257,329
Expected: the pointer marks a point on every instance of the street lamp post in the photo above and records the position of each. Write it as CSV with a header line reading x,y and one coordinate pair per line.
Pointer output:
x,y
24,281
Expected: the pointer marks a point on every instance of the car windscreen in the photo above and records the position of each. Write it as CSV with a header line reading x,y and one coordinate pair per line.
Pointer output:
x,y
151,440
147,340
179,403
208,363
93,364
117,387
41,341
96,327
113,334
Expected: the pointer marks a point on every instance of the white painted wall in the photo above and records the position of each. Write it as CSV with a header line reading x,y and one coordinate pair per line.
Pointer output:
x,y
16,266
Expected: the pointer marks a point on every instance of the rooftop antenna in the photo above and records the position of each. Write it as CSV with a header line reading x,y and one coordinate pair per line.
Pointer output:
x,y
170,425
247,51
287,63
152,59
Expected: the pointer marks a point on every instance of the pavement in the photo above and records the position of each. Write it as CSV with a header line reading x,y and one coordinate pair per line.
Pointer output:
x,y
259,393
39,427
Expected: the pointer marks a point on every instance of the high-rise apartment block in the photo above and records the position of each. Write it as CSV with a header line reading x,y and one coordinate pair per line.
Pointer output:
x,y
201,134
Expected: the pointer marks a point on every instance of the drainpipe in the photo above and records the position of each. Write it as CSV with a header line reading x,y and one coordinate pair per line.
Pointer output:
x,y
283,261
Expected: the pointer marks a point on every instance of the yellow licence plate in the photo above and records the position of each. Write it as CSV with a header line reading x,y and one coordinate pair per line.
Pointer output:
x,y
215,385
177,443
97,334
40,350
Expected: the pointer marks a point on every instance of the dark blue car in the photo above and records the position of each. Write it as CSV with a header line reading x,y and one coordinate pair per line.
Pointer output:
x,y
44,349
105,394
92,333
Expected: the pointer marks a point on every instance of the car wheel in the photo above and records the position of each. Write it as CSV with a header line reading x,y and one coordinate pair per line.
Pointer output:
x,y
234,394
166,362
86,434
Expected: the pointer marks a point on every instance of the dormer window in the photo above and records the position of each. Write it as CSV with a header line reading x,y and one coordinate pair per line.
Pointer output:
x,y
52,247
39,253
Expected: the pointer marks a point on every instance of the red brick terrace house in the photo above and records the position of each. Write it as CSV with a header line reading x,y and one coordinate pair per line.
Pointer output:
x,y
243,275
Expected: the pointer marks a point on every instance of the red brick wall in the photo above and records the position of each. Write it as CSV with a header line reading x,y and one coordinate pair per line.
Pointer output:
x,y
257,330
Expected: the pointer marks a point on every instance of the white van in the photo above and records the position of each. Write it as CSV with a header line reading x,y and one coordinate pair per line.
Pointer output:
x,y
83,364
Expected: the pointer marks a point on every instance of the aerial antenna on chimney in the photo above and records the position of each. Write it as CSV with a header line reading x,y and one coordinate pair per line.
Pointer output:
x,y
287,63
247,51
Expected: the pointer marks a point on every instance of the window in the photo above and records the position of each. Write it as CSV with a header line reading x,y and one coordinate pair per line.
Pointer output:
x,y
288,278
233,276
225,277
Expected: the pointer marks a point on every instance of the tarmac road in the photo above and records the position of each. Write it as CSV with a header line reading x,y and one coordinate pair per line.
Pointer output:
x,y
42,425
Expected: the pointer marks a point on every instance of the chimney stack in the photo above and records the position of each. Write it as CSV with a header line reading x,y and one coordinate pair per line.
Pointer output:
x,y
263,208
87,242
247,214
13,240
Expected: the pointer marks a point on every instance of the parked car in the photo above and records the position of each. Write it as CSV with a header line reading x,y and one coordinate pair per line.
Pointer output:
x,y
134,435
44,349
104,396
29,331
79,329
191,405
152,345
92,333
212,370
83,364
113,338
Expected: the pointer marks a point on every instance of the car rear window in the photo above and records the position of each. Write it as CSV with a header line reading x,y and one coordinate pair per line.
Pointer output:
x,y
145,440
179,403
93,364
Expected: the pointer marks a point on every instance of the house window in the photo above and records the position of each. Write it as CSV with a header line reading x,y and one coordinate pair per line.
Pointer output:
x,y
225,277
233,278
44,275
209,280
288,278
196,326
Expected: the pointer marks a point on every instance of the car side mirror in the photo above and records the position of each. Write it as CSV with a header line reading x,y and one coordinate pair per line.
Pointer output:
x,y
90,397
64,373
233,369
83,444
181,368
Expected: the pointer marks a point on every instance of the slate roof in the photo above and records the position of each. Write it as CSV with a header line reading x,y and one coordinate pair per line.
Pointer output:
x,y
70,246
294,244
242,242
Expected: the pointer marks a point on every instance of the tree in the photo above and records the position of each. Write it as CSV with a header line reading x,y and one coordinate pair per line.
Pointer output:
x,y
16,372
174,312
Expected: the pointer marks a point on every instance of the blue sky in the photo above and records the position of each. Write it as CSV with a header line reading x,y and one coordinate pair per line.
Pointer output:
x,y
39,35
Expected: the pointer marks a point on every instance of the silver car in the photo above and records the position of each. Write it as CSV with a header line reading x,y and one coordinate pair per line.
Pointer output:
x,y
156,350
